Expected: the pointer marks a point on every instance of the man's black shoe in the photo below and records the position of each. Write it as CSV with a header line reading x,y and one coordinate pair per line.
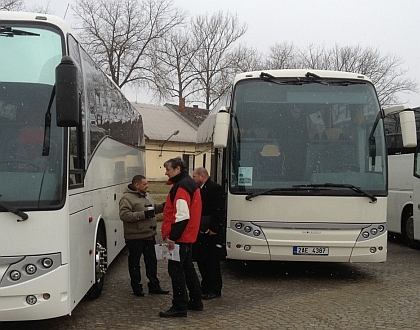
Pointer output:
x,y
171,312
194,306
209,296
158,291
138,293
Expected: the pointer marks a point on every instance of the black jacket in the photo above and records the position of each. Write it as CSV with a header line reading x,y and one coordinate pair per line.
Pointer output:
x,y
213,204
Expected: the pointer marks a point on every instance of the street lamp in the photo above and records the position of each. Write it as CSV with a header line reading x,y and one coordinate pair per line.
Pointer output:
x,y
161,147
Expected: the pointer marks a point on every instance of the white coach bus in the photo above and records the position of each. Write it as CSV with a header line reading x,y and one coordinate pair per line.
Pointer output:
x,y
401,181
302,157
69,144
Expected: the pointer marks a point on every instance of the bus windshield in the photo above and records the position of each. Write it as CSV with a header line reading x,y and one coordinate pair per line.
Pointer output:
x,y
29,177
317,137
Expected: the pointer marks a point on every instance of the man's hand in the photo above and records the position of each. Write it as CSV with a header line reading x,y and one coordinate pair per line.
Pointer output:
x,y
171,244
211,233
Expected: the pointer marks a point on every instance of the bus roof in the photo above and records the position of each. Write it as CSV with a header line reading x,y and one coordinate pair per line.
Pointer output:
x,y
35,17
301,73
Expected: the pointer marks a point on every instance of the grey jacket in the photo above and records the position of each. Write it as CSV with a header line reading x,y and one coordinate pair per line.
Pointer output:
x,y
133,203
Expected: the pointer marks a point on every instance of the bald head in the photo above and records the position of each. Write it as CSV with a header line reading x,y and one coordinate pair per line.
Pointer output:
x,y
200,175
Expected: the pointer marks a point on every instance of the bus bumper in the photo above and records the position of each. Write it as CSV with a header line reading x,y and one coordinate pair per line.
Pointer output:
x,y
50,291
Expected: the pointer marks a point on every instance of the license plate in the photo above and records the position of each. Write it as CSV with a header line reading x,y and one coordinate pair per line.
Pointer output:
x,y
310,250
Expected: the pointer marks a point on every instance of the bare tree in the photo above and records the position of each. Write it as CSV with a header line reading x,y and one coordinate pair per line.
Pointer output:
x,y
9,5
216,34
244,59
281,56
385,71
119,34
174,74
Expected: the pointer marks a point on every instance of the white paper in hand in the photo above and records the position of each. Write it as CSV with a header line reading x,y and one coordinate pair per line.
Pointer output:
x,y
163,253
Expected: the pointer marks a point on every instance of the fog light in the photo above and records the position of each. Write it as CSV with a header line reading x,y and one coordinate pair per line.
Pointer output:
x,y
365,234
238,225
47,262
31,300
372,249
374,231
30,269
15,275
257,232
247,247
247,229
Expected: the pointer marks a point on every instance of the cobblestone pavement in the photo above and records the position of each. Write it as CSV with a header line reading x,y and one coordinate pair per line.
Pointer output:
x,y
262,295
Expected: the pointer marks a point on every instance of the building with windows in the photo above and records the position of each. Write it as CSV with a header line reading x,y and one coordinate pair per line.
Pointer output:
x,y
171,131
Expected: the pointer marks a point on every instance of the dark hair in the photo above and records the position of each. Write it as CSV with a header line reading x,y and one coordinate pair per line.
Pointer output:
x,y
137,179
175,162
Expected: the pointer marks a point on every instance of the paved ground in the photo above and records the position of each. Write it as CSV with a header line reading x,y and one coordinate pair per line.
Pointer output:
x,y
261,295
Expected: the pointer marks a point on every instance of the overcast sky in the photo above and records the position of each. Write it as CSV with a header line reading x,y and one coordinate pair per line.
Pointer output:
x,y
392,26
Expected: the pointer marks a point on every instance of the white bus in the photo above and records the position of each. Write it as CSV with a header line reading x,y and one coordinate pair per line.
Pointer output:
x,y
302,157
400,182
69,144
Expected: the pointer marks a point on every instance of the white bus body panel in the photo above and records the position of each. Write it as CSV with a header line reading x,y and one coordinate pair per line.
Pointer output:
x,y
400,189
288,221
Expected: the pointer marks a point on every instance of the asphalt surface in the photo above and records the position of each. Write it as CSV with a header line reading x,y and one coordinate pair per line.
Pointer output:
x,y
264,295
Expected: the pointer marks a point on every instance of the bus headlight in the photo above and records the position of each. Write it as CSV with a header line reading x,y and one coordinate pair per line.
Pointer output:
x,y
31,300
238,225
365,234
374,231
30,269
381,228
257,232
15,275
47,262
247,229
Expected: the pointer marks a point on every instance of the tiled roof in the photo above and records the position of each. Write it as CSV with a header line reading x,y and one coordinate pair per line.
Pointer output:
x,y
194,114
159,122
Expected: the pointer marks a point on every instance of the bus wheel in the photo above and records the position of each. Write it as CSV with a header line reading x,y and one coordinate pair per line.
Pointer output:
x,y
409,232
101,265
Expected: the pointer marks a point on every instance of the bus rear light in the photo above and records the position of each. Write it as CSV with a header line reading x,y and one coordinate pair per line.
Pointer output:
x,y
30,269
15,275
31,300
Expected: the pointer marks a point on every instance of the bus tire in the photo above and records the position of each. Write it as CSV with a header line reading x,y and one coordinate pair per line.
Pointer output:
x,y
408,230
101,264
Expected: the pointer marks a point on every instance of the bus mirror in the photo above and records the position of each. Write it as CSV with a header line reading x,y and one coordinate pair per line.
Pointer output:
x,y
221,129
67,93
408,128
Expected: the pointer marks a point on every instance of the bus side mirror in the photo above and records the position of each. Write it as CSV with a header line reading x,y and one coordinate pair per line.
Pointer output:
x,y
407,123
67,93
408,129
221,129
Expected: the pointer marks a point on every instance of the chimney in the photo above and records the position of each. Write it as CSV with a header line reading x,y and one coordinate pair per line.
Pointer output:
x,y
195,106
181,105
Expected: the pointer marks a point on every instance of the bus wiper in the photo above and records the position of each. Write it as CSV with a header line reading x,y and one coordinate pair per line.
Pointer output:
x,y
339,185
254,194
14,210
7,31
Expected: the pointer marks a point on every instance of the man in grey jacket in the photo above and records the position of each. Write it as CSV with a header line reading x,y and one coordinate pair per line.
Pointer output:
x,y
137,211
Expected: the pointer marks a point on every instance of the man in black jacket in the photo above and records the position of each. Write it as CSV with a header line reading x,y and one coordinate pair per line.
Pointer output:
x,y
209,248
